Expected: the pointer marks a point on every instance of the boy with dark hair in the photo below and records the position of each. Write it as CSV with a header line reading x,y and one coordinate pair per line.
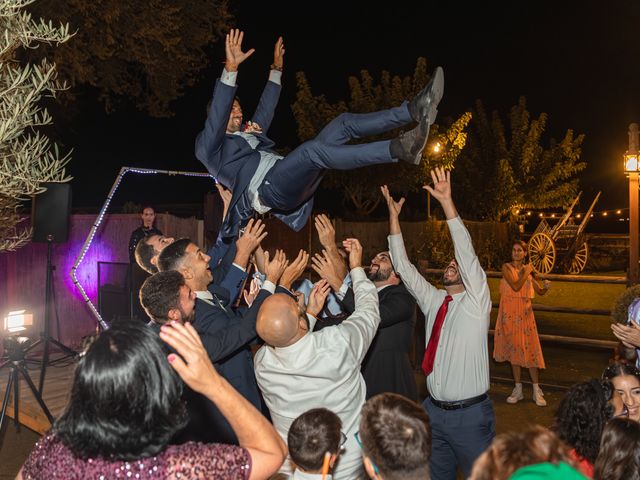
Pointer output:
x,y
314,441
395,436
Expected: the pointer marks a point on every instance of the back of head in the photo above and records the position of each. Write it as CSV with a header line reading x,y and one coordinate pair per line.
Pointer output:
x,y
619,456
581,416
396,436
313,434
160,293
144,253
125,401
172,256
510,451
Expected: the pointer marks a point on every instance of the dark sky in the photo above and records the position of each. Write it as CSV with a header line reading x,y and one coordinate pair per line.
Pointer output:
x,y
577,61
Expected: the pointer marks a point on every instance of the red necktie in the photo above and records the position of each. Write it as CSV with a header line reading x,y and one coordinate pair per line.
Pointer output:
x,y
430,352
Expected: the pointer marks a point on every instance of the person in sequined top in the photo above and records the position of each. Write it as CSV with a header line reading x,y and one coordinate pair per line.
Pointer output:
x,y
125,406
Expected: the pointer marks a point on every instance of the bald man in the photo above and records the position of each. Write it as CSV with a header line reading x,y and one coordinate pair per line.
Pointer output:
x,y
299,369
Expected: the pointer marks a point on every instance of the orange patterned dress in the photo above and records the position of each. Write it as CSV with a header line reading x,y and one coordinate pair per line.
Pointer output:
x,y
516,335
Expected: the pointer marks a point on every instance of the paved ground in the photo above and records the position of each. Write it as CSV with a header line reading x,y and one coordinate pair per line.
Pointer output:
x,y
566,365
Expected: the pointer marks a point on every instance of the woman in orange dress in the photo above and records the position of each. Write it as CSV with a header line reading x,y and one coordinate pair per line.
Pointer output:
x,y
516,336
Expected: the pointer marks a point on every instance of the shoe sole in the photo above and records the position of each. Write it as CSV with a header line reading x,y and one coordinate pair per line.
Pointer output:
x,y
418,158
513,402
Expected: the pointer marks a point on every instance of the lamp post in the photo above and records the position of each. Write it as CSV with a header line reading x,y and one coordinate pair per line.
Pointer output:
x,y
632,170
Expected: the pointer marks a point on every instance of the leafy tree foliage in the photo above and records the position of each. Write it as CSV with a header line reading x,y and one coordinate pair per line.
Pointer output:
x,y
147,51
27,157
501,171
360,187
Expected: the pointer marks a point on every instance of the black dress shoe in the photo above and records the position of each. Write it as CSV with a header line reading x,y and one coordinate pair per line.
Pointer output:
x,y
408,146
425,104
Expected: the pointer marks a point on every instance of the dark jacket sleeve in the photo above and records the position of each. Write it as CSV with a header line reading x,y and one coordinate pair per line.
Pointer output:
x,y
267,105
395,305
209,141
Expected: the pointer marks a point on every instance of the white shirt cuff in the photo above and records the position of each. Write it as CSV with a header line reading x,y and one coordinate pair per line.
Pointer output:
x,y
229,78
244,269
269,286
275,76
343,291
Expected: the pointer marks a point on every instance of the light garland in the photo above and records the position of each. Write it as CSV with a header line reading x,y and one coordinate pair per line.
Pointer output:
x,y
96,224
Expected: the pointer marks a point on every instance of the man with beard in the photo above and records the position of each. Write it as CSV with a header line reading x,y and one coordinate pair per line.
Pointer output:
x,y
386,367
456,361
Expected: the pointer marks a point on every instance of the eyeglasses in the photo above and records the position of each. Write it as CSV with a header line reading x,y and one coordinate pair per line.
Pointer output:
x,y
375,467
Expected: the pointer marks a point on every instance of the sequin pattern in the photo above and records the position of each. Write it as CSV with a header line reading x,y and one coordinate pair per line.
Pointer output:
x,y
50,459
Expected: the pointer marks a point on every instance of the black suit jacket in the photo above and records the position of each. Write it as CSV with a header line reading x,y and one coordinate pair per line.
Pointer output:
x,y
386,367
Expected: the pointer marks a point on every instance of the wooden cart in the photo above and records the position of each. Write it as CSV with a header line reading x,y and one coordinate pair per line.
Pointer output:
x,y
563,245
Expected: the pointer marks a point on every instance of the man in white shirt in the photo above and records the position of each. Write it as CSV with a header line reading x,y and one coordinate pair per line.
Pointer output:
x,y
456,361
299,369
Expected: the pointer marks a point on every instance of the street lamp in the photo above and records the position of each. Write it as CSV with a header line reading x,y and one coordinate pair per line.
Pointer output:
x,y
632,170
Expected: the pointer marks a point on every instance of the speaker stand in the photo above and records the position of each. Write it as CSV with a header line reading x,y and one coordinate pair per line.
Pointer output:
x,y
45,337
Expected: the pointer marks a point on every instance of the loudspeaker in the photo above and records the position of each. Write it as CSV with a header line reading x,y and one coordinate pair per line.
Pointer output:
x,y
50,213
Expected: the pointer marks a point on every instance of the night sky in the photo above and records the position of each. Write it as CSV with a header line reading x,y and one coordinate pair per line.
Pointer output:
x,y
577,61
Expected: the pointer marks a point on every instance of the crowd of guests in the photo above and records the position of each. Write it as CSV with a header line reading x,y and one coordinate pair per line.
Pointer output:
x,y
229,381
281,376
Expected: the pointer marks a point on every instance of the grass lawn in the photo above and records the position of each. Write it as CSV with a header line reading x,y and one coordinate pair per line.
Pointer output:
x,y
571,294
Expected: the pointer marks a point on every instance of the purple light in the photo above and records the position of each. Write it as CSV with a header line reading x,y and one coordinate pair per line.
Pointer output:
x,y
86,273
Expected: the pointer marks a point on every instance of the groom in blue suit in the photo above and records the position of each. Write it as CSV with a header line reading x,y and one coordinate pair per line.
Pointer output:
x,y
241,156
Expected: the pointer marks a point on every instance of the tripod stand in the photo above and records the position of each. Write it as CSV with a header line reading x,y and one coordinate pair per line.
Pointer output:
x,y
16,363
44,336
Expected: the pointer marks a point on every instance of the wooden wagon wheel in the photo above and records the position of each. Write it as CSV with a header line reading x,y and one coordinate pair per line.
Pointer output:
x,y
579,261
542,252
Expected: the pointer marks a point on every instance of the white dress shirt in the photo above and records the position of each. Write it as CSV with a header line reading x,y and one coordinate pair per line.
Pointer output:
x,y
322,369
461,367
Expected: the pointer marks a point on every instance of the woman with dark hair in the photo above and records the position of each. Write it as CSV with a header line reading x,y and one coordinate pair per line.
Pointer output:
x,y
516,335
125,406
619,457
580,419
626,386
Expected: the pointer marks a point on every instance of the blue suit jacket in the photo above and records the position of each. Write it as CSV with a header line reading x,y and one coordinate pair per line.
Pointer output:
x,y
231,159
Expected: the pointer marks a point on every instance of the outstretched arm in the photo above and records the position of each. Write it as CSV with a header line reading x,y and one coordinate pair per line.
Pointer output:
x,y
271,93
416,284
473,276
254,432
209,141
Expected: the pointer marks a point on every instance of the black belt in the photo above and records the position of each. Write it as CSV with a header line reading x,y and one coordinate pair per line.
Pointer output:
x,y
460,403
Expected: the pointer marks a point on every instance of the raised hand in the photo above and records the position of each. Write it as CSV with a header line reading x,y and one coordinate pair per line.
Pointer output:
x,y
353,247
233,50
278,55
225,195
326,232
324,265
317,297
254,289
274,268
249,240
629,335
441,189
294,270
393,206
193,364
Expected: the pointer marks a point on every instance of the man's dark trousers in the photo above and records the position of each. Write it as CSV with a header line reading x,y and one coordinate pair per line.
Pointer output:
x,y
306,164
459,437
